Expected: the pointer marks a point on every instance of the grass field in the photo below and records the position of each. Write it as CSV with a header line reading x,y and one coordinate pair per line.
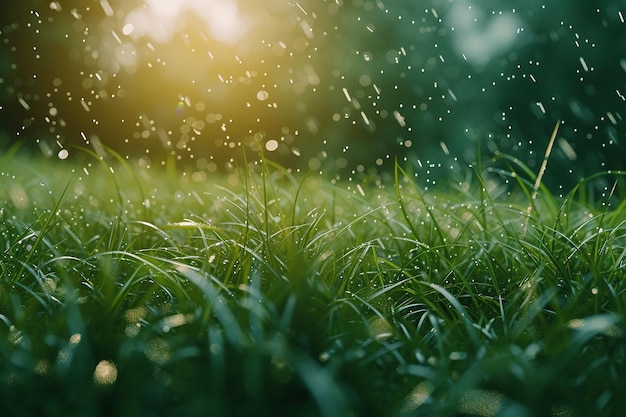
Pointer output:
x,y
127,291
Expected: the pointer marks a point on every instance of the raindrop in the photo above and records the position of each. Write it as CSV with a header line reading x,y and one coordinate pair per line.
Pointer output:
x,y
23,103
106,7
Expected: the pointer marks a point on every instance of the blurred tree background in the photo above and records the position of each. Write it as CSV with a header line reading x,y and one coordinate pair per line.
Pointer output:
x,y
339,85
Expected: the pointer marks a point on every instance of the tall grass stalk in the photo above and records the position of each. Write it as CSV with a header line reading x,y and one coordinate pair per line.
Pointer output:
x,y
542,171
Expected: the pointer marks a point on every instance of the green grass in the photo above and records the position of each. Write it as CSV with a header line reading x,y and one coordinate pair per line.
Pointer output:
x,y
126,291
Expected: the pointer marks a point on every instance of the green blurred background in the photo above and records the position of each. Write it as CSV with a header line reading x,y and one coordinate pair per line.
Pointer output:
x,y
338,85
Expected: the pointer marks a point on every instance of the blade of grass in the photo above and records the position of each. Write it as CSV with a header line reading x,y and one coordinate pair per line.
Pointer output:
x,y
542,170
234,333
42,232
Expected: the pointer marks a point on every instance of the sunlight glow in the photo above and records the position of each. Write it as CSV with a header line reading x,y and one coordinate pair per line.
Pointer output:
x,y
479,36
161,19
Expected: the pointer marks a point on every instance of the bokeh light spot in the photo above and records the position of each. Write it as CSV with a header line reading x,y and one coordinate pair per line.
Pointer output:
x,y
105,373
262,95
271,145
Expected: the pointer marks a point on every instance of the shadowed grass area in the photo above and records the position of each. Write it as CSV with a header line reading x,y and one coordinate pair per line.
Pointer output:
x,y
127,291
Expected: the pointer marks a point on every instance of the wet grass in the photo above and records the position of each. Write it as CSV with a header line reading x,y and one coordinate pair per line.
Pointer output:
x,y
126,291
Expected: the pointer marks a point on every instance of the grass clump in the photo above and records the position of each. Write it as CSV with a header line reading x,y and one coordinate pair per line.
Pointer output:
x,y
126,291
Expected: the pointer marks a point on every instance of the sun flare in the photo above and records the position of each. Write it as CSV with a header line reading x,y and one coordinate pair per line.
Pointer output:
x,y
161,19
